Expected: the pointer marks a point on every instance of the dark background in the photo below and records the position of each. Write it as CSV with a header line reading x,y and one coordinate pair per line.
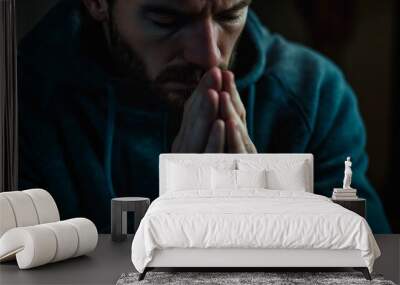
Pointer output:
x,y
361,36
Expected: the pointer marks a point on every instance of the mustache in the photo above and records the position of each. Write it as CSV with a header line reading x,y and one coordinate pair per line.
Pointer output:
x,y
186,74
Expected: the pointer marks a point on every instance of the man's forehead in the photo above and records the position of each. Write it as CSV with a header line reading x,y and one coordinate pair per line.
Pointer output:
x,y
197,6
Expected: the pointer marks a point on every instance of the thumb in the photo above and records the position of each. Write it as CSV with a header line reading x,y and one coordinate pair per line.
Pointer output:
x,y
212,79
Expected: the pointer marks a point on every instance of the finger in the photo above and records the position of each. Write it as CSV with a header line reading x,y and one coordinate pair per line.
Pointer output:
x,y
235,142
228,112
196,106
250,147
212,79
196,130
200,110
229,85
216,141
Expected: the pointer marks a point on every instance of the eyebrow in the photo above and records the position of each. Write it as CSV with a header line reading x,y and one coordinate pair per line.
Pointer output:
x,y
163,9
239,6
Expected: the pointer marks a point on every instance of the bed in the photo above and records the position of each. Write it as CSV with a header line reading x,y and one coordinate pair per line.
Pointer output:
x,y
243,211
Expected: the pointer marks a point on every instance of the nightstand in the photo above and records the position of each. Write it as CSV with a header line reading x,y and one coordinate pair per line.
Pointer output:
x,y
357,205
119,208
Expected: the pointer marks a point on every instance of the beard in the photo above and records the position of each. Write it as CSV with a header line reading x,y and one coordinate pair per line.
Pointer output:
x,y
128,64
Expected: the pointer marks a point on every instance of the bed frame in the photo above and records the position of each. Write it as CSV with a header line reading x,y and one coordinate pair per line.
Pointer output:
x,y
247,259
260,259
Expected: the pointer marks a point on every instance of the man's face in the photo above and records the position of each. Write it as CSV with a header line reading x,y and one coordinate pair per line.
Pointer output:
x,y
172,43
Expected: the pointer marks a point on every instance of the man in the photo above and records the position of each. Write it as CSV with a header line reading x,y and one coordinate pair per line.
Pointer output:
x,y
106,86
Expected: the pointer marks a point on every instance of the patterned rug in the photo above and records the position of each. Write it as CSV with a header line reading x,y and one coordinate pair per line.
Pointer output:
x,y
244,278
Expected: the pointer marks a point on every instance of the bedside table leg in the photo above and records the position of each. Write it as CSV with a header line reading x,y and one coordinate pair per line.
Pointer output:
x,y
143,274
118,222
364,271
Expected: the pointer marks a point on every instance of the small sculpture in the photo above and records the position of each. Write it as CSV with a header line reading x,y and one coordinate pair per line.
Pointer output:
x,y
347,192
347,174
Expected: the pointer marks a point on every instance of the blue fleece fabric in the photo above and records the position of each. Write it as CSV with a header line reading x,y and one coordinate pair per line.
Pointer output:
x,y
85,147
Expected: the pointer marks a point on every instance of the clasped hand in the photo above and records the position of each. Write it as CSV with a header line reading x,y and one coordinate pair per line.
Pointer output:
x,y
214,118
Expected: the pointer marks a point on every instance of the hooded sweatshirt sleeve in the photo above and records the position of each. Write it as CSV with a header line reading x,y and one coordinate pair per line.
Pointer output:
x,y
327,117
338,132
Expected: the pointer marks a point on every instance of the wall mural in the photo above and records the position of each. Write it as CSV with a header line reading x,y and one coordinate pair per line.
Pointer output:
x,y
104,87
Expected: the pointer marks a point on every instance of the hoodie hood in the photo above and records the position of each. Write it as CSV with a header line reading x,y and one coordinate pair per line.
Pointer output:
x,y
252,51
60,36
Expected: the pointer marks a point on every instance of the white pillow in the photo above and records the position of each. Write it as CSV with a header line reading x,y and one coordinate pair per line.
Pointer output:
x,y
285,174
292,179
188,177
223,179
251,178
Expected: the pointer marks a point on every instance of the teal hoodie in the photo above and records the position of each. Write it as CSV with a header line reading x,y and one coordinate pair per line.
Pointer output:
x,y
85,146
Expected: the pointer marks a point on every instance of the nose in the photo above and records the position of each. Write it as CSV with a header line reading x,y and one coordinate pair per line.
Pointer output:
x,y
201,45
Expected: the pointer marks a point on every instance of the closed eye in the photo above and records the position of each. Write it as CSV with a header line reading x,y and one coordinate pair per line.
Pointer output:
x,y
163,20
235,14
229,18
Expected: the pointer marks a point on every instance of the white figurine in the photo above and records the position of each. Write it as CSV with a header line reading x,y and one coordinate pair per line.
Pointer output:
x,y
347,174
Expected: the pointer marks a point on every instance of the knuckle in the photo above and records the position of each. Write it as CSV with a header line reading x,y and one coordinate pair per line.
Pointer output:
x,y
243,113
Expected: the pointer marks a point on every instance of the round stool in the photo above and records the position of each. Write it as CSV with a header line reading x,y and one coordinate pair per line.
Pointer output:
x,y
119,209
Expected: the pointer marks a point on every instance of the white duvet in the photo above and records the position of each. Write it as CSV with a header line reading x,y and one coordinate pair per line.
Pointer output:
x,y
252,218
